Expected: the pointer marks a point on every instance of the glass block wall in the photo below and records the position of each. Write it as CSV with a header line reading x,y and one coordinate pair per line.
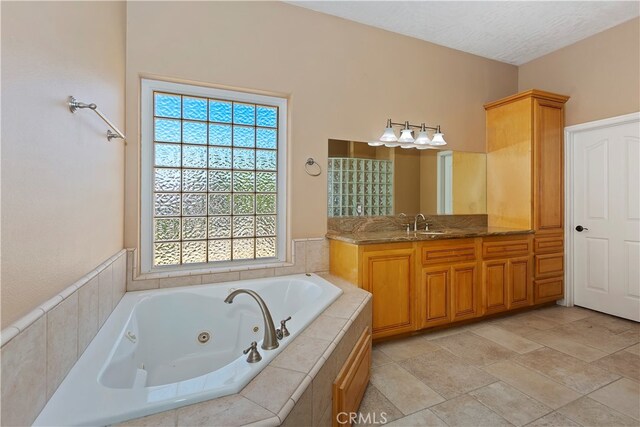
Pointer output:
x,y
215,180
360,187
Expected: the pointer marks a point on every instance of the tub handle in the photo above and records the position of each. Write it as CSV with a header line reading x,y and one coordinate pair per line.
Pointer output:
x,y
254,354
283,331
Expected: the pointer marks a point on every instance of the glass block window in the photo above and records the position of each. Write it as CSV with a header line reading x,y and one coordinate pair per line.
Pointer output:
x,y
215,179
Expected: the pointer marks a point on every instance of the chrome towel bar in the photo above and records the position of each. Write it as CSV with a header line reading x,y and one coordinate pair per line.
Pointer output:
x,y
74,105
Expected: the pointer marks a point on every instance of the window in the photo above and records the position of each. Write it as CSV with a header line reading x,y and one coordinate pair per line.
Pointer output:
x,y
213,176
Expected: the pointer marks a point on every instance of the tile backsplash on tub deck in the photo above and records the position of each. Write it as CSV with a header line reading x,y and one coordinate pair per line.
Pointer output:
x,y
39,349
308,256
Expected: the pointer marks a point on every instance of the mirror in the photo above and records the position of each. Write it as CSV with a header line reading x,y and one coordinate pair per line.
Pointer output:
x,y
373,181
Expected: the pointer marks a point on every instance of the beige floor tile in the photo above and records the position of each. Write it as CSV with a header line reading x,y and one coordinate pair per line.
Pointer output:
x,y
453,330
447,374
622,363
378,358
554,419
421,418
560,342
406,348
622,395
405,391
614,325
533,384
588,412
563,314
526,323
596,336
635,349
474,349
375,404
513,405
466,411
507,339
574,373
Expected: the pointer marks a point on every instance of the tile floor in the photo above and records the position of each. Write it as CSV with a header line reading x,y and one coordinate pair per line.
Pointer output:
x,y
554,366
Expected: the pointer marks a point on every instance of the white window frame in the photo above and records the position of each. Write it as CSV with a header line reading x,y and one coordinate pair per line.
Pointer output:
x,y
148,87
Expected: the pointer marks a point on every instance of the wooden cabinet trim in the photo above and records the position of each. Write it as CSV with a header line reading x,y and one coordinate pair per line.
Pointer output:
x,y
505,248
435,303
520,290
548,265
471,299
544,244
352,380
548,289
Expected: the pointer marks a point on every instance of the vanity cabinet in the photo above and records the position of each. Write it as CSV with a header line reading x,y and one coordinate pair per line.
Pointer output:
x,y
449,282
525,178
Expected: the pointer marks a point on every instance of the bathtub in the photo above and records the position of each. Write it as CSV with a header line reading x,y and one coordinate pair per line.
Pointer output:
x,y
167,348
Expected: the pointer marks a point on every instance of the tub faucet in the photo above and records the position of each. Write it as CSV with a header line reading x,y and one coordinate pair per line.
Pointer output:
x,y
270,340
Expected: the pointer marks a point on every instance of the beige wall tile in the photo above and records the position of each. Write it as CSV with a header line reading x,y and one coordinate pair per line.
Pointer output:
x,y
300,355
119,278
62,341
24,372
325,327
300,415
105,294
174,282
317,255
87,313
143,285
322,391
405,391
622,395
588,412
257,273
533,384
161,419
516,407
221,277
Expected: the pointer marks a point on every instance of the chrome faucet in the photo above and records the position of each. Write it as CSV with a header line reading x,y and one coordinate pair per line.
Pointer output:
x,y
270,340
415,221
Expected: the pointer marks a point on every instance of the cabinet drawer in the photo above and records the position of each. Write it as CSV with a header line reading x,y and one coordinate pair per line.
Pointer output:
x,y
549,265
447,252
505,248
352,381
548,244
548,289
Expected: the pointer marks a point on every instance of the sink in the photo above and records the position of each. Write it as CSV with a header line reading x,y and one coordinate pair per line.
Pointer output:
x,y
427,233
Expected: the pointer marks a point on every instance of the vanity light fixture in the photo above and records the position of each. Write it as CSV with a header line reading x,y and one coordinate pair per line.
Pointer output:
x,y
407,140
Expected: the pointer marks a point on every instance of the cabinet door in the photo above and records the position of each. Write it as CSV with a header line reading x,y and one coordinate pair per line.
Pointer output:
x,y
464,291
389,276
435,296
520,283
496,282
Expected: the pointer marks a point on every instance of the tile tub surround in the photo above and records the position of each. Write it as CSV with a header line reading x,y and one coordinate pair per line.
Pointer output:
x,y
307,256
39,349
295,388
507,371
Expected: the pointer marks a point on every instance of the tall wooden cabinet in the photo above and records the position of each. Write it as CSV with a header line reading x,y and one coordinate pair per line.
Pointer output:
x,y
525,180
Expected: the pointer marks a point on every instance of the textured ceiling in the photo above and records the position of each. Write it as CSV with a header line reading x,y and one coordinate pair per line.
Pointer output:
x,y
514,32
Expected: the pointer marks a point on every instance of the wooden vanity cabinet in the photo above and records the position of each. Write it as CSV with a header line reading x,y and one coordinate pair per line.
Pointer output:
x,y
525,178
449,283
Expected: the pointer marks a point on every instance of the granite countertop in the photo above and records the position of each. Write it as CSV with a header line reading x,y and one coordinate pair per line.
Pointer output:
x,y
386,236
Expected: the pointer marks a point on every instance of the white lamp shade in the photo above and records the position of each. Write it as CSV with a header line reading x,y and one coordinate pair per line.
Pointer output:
x,y
425,147
407,146
375,143
391,144
405,136
438,139
423,138
389,135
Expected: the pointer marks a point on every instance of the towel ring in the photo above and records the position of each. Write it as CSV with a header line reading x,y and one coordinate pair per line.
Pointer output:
x,y
311,162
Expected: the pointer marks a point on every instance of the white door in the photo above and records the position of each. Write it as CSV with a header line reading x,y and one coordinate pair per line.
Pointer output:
x,y
606,219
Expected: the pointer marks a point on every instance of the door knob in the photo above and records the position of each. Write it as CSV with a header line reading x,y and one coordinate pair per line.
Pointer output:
x,y
579,228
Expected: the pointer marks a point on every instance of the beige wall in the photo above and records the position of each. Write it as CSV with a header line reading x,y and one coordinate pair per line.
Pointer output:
x,y
62,182
343,81
600,73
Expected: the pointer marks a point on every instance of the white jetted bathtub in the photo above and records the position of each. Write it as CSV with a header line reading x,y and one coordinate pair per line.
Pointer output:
x,y
167,348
